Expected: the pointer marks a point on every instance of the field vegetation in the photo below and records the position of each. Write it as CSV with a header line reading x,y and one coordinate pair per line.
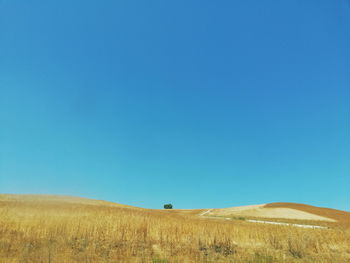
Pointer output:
x,y
61,230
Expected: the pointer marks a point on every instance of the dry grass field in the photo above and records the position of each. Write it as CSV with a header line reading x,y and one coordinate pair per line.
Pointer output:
x,y
66,229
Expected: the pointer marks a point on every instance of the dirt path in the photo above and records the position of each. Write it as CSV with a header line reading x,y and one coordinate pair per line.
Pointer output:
x,y
205,212
286,224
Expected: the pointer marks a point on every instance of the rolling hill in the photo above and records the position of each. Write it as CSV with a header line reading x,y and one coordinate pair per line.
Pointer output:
x,y
44,228
55,199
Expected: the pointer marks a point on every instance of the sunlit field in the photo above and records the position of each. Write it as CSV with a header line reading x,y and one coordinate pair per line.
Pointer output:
x,y
36,230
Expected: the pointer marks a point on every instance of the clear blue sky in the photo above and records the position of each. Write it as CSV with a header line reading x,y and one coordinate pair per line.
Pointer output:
x,y
197,103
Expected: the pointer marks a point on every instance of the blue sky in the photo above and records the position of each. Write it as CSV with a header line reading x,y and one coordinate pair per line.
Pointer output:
x,y
197,103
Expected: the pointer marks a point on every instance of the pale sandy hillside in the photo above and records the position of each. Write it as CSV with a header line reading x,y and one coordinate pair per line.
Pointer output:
x,y
284,211
337,215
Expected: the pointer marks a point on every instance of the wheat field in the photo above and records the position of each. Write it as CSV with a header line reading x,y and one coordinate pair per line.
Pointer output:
x,y
55,230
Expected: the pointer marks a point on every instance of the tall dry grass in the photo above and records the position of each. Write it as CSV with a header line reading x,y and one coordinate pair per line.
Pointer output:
x,y
67,232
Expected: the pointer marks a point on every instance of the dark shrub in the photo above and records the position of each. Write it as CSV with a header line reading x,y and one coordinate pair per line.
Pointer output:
x,y
168,206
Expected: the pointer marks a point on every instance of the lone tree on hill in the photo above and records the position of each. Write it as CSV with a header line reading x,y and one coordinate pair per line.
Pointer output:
x,y
168,206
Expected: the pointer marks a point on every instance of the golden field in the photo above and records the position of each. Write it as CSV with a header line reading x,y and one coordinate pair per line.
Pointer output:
x,y
66,229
